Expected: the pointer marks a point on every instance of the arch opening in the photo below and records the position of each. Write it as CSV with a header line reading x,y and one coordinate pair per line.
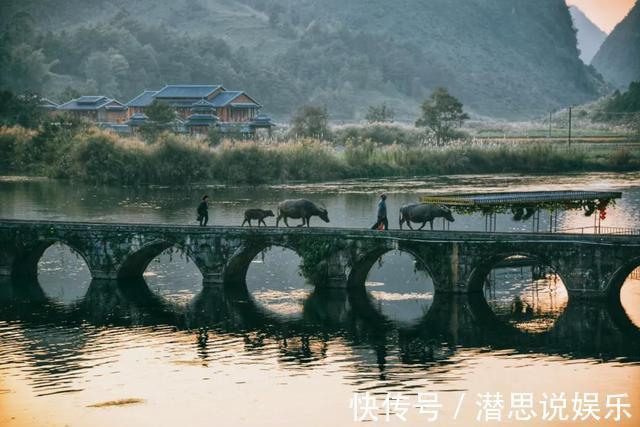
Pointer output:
x,y
274,281
62,272
399,285
523,292
629,295
171,273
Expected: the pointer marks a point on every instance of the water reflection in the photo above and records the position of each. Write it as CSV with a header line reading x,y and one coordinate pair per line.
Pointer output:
x,y
173,266
400,286
526,294
55,343
275,282
63,273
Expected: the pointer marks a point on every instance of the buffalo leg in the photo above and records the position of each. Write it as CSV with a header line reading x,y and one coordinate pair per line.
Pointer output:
x,y
422,226
431,223
308,221
285,221
409,225
245,220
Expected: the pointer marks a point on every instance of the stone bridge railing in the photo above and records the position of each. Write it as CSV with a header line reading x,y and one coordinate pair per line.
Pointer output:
x,y
458,262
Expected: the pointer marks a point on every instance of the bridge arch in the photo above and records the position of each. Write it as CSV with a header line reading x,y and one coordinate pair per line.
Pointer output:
x,y
135,264
363,264
235,271
483,267
619,277
25,265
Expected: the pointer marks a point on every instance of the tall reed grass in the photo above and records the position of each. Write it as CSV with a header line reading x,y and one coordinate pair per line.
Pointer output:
x,y
98,156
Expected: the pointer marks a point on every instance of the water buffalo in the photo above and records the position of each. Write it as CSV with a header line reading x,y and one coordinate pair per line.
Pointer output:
x,y
259,214
423,213
300,208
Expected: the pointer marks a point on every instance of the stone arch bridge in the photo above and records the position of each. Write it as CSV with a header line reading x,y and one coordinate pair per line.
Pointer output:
x,y
458,262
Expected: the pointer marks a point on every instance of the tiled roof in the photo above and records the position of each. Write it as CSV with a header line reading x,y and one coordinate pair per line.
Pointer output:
x,y
187,91
143,100
114,105
201,120
48,104
91,99
137,119
92,103
262,120
202,105
224,98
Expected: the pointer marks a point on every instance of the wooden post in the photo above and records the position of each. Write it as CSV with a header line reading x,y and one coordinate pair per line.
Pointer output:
x,y
569,126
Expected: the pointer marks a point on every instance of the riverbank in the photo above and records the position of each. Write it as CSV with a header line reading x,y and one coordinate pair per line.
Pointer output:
x,y
96,156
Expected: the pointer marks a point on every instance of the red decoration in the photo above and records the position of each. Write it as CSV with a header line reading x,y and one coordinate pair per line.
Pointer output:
x,y
603,214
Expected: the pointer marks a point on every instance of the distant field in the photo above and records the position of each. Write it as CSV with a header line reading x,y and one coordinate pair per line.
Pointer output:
x,y
582,134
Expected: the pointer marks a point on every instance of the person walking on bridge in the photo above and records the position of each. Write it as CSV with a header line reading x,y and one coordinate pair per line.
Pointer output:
x,y
382,214
203,211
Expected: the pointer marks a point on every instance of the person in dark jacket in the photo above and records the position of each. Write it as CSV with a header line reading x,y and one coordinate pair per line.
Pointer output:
x,y
203,211
382,214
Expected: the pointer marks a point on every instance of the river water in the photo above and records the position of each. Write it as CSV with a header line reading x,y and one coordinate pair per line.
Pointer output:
x,y
165,351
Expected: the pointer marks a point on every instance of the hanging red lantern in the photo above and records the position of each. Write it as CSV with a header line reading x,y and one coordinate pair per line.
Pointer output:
x,y
603,214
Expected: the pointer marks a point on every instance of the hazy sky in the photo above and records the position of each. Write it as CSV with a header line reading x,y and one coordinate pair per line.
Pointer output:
x,y
604,13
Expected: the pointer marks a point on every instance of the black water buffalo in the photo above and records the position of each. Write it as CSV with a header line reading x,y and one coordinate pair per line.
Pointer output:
x,y
259,214
423,212
300,208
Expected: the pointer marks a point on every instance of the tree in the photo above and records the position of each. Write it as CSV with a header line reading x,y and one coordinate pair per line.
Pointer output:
x,y
441,114
311,121
379,114
162,117
161,112
23,110
24,68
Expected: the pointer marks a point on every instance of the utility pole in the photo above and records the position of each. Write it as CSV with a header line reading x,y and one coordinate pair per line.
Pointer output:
x,y
569,126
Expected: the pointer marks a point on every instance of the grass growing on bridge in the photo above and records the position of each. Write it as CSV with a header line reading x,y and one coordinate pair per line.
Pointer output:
x,y
97,156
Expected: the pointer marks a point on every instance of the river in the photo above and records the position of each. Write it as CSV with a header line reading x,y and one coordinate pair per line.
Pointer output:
x,y
165,351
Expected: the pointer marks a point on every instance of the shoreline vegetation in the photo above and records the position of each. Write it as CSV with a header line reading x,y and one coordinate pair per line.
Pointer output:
x,y
96,156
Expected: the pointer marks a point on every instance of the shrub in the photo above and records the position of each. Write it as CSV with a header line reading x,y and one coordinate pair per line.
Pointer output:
x,y
179,160
14,141
102,157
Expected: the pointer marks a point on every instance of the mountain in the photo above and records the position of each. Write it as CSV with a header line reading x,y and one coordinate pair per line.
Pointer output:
x,y
503,58
590,37
618,59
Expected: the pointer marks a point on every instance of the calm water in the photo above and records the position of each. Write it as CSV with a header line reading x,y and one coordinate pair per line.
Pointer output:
x,y
165,351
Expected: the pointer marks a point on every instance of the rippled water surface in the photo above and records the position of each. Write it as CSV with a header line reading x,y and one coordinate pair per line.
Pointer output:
x,y
275,351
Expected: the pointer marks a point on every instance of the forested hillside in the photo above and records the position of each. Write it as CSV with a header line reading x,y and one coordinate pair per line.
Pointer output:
x,y
619,57
502,58
590,37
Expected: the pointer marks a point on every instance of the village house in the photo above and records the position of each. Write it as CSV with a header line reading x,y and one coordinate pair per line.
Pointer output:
x,y
99,109
48,107
203,106
198,108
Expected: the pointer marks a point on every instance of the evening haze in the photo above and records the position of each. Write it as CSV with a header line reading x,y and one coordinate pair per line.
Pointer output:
x,y
606,14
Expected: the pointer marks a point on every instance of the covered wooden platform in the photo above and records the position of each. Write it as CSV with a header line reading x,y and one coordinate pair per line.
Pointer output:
x,y
527,205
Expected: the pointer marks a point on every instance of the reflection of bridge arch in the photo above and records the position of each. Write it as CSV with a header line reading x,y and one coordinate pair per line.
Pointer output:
x,y
362,265
483,267
135,264
585,329
26,263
